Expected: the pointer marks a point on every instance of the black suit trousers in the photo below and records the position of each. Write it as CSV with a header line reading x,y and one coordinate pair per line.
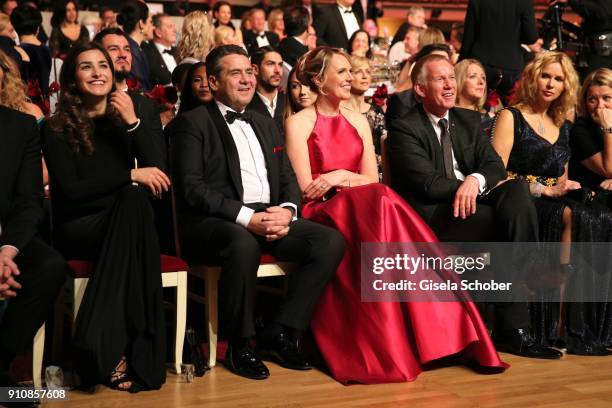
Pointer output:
x,y
506,214
316,249
43,272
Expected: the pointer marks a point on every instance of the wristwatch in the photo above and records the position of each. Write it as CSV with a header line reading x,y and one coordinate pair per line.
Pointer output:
x,y
607,130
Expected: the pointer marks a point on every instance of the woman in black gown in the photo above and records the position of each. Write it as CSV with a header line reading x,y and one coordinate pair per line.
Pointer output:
x,y
591,137
532,138
66,31
90,145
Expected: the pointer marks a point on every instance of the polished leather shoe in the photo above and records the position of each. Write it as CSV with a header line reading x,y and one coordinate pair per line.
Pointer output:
x,y
283,351
520,342
245,363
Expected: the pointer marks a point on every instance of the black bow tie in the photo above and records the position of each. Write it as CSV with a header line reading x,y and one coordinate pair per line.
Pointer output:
x,y
348,11
231,116
168,52
262,35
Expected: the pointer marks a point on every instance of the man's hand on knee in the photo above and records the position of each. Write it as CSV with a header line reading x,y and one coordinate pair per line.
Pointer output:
x,y
465,198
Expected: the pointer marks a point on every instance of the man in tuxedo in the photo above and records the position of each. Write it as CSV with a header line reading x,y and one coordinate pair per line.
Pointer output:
x,y
336,23
31,272
268,100
443,164
258,37
293,46
493,34
237,196
160,52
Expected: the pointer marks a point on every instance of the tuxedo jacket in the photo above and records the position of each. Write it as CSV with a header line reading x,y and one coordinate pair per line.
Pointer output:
x,y
20,178
206,166
416,159
250,41
258,105
330,27
494,31
291,50
159,74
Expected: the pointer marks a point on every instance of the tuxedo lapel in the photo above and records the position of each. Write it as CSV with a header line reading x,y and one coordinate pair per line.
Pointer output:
x,y
231,152
258,105
280,106
432,139
340,22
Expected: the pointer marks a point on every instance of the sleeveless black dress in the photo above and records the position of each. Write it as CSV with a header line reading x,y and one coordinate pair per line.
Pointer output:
x,y
588,326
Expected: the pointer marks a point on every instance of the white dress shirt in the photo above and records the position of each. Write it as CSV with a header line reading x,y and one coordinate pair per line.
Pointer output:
x,y
482,182
350,21
253,170
168,59
270,104
262,41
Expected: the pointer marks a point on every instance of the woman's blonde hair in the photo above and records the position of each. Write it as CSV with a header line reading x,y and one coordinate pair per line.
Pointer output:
x,y
221,33
528,85
461,69
358,61
197,38
12,88
431,35
274,13
599,77
4,21
315,64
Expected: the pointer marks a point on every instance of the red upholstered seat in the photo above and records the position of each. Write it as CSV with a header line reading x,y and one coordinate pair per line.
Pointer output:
x,y
267,259
83,269
172,264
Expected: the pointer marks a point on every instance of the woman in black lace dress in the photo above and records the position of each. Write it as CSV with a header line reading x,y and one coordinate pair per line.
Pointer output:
x,y
532,138
362,79
99,214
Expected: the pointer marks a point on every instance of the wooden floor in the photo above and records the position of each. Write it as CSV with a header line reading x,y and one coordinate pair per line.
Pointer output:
x,y
570,382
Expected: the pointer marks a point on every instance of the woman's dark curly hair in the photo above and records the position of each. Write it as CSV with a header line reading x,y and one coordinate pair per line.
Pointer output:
x,y
70,119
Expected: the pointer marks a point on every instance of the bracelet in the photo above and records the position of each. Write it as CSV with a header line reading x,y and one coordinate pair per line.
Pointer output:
x,y
536,189
133,126
607,130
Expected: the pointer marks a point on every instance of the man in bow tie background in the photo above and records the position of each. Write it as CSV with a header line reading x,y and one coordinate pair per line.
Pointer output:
x,y
160,52
258,37
237,196
336,23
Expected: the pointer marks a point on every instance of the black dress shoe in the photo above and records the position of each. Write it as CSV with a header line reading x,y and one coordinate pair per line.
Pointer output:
x,y
283,351
245,363
520,342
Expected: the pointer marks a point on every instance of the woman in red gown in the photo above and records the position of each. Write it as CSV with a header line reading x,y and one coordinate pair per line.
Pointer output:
x,y
331,148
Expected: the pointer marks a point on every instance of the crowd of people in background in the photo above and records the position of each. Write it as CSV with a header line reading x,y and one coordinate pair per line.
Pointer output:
x,y
271,137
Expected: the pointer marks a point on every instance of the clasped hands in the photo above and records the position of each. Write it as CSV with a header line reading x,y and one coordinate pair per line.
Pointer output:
x,y
8,271
322,184
272,223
